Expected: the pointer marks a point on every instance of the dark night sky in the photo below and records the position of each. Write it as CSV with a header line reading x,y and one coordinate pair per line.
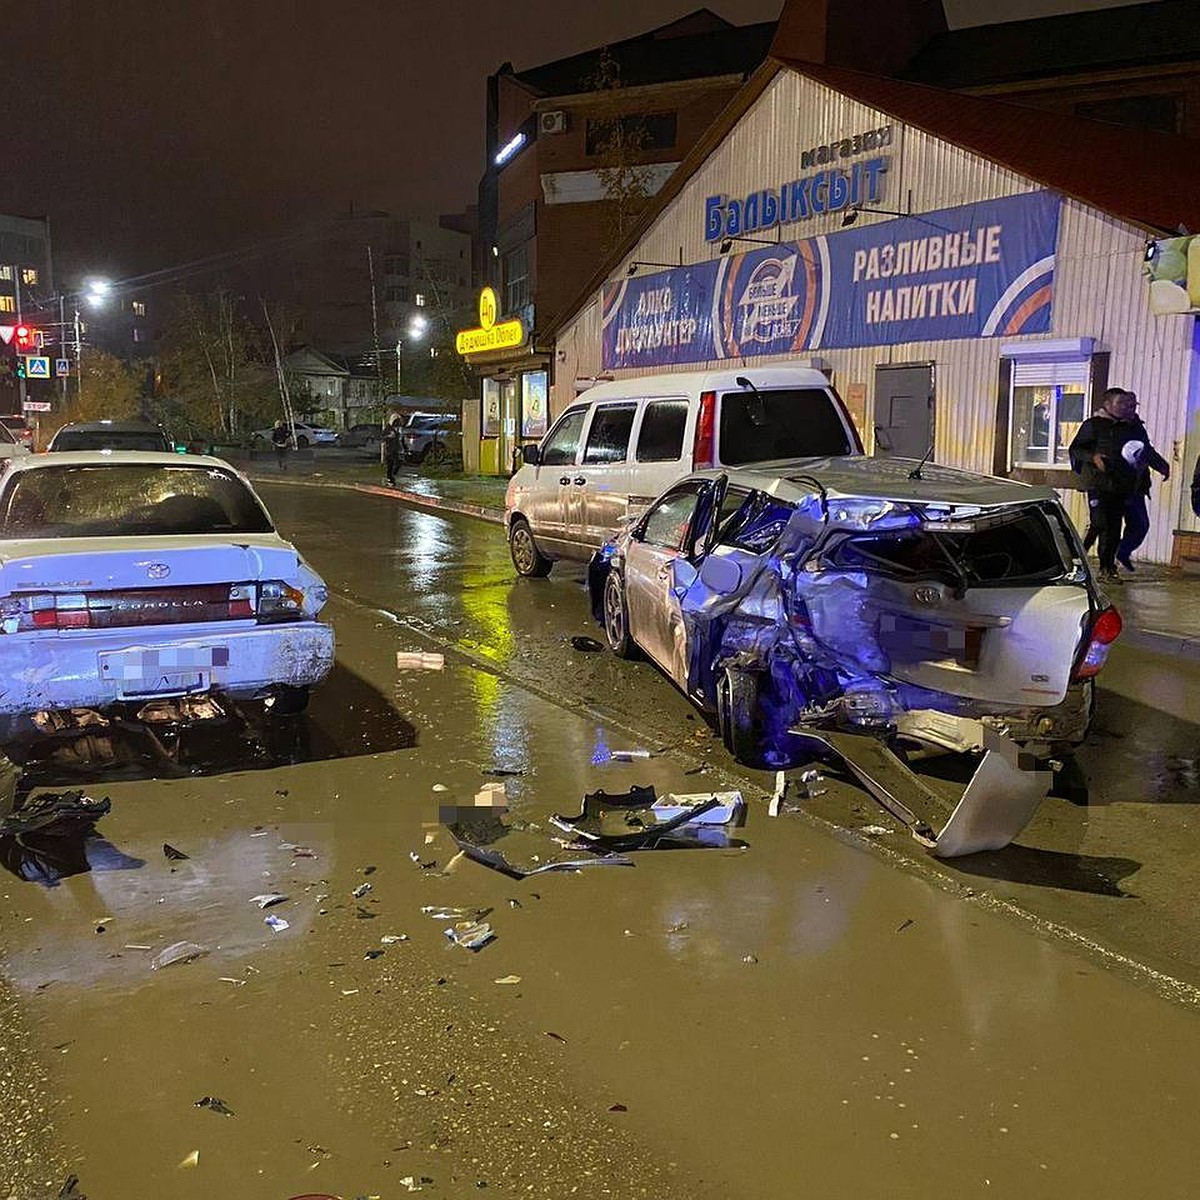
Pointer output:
x,y
153,132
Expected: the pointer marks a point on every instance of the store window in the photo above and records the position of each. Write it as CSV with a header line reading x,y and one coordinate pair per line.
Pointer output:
x,y
608,438
516,279
661,436
1047,404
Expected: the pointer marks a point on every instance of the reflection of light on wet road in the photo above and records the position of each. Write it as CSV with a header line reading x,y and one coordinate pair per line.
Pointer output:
x,y
426,551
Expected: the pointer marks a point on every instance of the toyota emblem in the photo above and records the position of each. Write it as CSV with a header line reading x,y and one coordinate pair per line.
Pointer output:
x,y
927,595
158,570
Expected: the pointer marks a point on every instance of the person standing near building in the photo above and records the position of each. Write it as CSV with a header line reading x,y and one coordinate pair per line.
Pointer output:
x,y
1137,516
281,439
391,449
1107,453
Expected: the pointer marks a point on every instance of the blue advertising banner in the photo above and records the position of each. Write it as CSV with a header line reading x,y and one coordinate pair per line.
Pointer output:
x,y
980,270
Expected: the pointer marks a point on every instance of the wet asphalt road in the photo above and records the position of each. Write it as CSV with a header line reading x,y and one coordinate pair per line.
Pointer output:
x,y
796,1015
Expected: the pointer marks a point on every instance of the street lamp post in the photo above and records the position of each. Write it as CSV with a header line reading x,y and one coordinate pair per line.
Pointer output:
x,y
417,328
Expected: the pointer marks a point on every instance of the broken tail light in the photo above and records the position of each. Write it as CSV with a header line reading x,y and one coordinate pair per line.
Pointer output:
x,y
706,421
138,606
279,601
1105,630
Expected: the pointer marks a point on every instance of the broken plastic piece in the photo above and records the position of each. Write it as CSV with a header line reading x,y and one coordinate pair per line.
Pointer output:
x,y
508,979
360,891
586,644
390,939
454,914
277,924
267,899
416,660
628,755
777,796
172,854
471,935
191,1160
178,952
655,826
216,1105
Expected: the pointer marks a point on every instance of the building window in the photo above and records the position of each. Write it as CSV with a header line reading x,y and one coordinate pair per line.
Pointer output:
x,y
419,299
395,293
1047,404
395,264
6,273
516,279
1137,112
8,304
29,276
137,334
139,308
637,133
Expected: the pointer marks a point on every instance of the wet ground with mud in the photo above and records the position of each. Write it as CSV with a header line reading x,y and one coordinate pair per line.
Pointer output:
x,y
732,1022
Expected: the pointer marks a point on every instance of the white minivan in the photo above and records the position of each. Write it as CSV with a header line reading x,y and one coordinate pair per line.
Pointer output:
x,y
623,443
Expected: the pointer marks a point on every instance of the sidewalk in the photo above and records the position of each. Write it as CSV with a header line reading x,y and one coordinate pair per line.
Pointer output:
x,y
1160,607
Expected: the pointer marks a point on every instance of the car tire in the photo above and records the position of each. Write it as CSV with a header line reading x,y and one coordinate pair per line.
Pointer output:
x,y
301,442
529,561
739,716
616,618
289,701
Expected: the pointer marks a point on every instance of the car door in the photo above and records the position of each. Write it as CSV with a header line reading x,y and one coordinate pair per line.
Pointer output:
x,y
658,458
603,478
650,557
553,488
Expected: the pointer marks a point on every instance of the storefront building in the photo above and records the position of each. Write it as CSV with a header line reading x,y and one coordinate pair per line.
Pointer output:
x,y
972,275
511,404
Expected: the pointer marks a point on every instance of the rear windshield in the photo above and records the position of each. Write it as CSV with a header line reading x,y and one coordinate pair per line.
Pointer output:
x,y
118,499
784,423
109,439
1008,551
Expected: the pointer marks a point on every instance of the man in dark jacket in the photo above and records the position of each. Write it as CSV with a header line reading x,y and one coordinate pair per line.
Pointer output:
x,y
1137,517
392,449
1107,452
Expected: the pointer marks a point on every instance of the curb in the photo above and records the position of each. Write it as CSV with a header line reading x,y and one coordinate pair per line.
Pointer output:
x,y
464,508
1161,642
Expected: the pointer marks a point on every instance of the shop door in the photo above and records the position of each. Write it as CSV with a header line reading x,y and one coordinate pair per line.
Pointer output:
x,y
903,411
508,427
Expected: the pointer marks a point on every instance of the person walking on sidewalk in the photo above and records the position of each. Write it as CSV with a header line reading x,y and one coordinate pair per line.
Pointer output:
x,y
391,449
281,439
1196,489
1137,516
1107,453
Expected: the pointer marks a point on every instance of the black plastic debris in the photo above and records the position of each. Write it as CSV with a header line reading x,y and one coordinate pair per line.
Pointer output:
x,y
364,914
503,772
45,839
476,838
215,1105
70,1189
174,855
586,645
648,823
373,954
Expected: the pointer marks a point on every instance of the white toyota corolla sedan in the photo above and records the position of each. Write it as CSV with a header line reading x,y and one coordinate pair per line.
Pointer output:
x,y
131,577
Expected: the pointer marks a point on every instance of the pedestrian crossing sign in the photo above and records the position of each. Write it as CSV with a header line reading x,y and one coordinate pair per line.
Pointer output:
x,y
62,366
37,366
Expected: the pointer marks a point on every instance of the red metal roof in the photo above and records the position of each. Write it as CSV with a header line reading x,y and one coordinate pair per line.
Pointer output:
x,y
1147,178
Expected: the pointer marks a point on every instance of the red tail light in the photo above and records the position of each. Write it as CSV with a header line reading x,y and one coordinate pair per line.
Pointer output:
x,y
1105,630
137,606
706,420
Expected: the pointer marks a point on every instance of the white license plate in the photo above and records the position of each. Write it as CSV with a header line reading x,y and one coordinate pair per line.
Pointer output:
x,y
151,666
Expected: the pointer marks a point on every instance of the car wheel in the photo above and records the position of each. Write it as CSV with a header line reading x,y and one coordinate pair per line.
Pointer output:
x,y
739,716
301,442
288,701
616,618
527,558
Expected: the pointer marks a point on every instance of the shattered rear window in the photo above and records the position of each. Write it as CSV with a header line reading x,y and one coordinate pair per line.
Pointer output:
x,y
1018,548
117,500
783,423
756,524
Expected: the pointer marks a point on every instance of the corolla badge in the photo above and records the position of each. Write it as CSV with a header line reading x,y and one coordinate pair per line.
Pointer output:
x,y
927,595
158,570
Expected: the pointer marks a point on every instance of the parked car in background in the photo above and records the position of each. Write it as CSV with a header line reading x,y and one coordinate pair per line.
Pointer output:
x,y
306,435
622,443
433,436
20,428
111,435
131,579
364,436
10,445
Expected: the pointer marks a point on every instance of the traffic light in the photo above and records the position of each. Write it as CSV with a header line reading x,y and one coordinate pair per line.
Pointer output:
x,y
19,370
25,339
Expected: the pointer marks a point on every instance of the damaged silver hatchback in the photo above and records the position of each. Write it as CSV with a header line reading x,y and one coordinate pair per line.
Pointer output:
x,y
802,602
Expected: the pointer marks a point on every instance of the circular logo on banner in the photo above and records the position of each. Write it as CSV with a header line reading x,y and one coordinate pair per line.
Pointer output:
x,y
487,308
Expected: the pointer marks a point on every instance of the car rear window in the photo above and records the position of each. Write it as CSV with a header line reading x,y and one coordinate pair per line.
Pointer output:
x,y
106,439
1008,550
781,423
119,499
661,435
6,434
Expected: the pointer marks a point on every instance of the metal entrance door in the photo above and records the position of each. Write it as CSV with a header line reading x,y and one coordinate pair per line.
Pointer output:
x,y
903,411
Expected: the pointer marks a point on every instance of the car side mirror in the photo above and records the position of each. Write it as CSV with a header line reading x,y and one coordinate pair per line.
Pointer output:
x,y
531,454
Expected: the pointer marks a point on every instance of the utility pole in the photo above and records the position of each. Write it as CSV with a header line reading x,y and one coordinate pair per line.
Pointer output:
x,y
375,321
16,274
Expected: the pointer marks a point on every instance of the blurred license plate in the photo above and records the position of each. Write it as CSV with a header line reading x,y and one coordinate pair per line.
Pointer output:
x,y
140,666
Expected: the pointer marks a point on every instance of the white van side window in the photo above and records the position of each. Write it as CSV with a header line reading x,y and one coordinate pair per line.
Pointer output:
x,y
661,435
608,438
559,448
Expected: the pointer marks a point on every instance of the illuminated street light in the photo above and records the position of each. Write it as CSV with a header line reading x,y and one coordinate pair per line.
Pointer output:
x,y
98,291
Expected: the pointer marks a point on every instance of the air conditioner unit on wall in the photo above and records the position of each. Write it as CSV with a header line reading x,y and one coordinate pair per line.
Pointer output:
x,y
552,122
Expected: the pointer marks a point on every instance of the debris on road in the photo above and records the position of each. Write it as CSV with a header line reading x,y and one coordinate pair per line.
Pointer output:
x,y
215,1105
777,797
390,939
44,840
277,924
628,755
191,1160
178,952
509,979
586,645
475,840
174,855
267,899
675,821
416,660
360,891
455,914
471,935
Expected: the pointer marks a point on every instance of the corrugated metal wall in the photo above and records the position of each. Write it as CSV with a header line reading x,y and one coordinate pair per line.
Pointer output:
x,y
1099,288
